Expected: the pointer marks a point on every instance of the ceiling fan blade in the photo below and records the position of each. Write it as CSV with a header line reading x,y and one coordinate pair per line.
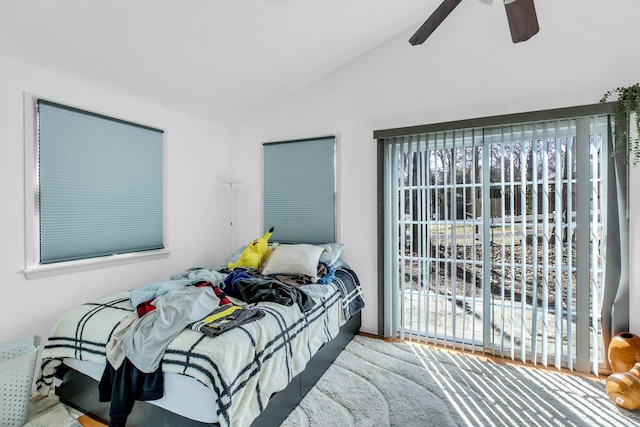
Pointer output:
x,y
522,18
433,21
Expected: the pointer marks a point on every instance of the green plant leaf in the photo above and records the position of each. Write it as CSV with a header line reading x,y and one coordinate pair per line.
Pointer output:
x,y
628,101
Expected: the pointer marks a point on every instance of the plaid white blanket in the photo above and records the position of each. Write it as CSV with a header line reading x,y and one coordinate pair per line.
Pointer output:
x,y
243,367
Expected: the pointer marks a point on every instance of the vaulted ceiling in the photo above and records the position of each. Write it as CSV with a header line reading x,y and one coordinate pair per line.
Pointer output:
x,y
224,60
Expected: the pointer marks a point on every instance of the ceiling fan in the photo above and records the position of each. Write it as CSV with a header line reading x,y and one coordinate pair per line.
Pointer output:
x,y
521,15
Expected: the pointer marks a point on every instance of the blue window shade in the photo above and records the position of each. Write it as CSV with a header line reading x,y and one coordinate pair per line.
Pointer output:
x,y
100,185
299,190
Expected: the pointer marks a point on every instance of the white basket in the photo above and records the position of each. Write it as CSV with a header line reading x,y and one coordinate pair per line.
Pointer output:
x,y
17,364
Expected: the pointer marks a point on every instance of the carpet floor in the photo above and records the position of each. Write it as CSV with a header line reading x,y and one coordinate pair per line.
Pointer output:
x,y
46,411
379,383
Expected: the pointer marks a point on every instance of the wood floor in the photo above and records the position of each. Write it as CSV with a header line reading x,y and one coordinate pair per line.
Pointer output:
x,y
603,374
87,421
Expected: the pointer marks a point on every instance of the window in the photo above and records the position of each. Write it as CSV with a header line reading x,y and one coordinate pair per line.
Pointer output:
x,y
299,190
99,193
495,234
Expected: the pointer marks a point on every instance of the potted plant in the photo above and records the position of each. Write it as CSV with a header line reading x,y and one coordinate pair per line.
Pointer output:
x,y
628,102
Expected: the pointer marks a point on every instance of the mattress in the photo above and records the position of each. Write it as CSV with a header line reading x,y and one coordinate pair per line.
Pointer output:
x,y
196,407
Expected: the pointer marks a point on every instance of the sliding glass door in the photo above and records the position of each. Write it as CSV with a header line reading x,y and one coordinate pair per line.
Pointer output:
x,y
494,238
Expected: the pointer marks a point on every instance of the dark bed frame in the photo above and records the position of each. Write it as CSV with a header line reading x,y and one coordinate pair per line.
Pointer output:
x,y
81,392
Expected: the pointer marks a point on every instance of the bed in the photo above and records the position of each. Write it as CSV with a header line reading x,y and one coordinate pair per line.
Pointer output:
x,y
252,374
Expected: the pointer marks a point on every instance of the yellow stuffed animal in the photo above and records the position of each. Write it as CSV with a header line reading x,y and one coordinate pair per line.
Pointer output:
x,y
254,254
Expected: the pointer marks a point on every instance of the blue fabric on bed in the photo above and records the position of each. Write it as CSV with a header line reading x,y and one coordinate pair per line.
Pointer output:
x,y
154,290
328,277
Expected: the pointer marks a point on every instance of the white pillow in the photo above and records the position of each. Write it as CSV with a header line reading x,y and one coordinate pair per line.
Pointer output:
x,y
294,260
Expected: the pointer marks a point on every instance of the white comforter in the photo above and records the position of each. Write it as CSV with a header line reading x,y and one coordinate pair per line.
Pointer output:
x,y
243,366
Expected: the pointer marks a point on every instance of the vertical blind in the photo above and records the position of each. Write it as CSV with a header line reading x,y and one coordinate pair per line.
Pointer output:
x,y
494,237
299,190
100,185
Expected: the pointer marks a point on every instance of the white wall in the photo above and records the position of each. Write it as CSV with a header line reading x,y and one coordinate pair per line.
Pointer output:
x,y
468,68
198,153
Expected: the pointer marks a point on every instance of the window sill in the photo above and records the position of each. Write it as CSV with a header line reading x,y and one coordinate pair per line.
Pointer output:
x,y
39,271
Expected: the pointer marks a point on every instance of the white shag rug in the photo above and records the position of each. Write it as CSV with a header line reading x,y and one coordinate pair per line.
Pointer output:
x,y
47,411
378,383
